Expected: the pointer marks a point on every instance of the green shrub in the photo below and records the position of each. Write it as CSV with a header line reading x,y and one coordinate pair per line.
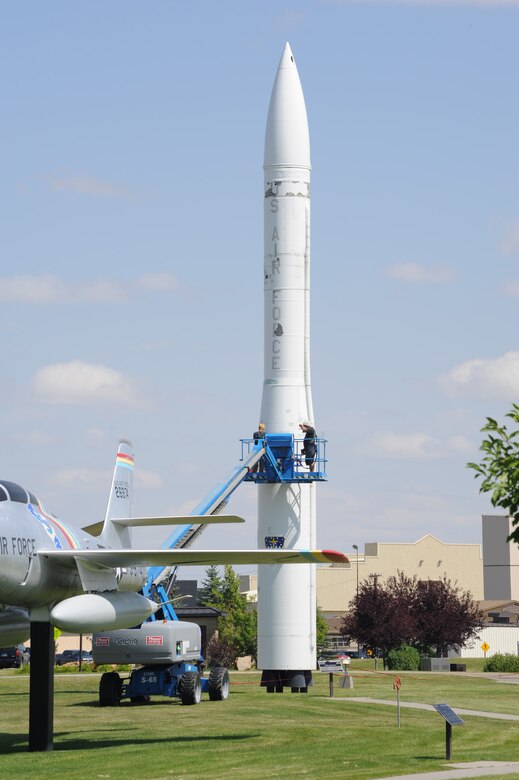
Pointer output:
x,y
502,663
404,658
113,668
88,668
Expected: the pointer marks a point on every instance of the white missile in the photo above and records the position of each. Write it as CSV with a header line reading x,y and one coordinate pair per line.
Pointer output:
x,y
101,612
287,399
286,596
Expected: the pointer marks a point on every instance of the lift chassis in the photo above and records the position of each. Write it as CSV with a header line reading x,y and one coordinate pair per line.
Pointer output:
x,y
182,680
171,665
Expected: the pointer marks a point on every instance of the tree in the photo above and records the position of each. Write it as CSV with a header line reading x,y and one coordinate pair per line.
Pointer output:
x,y
445,616
425,614
237,626
211,591
321,630
499,468
380,616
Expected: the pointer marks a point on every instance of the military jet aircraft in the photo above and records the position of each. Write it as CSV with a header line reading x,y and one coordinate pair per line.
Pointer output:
x,y
88,580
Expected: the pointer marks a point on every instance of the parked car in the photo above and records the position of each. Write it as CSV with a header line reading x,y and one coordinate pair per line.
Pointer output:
x,y
335,655
72,657
357,654
14,657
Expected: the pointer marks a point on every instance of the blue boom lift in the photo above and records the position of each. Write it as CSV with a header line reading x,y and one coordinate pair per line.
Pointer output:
x,y
168,649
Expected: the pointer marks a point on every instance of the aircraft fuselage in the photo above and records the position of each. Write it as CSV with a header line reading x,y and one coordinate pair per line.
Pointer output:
x,y
26,528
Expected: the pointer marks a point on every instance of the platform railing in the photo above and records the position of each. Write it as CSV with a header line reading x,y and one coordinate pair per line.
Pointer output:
x,y
284,460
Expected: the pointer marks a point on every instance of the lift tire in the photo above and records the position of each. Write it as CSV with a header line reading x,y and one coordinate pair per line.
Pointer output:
x,y
110,690
219,684
190,688
141,699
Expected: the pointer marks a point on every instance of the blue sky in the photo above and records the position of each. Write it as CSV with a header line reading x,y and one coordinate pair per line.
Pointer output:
x,y
131,251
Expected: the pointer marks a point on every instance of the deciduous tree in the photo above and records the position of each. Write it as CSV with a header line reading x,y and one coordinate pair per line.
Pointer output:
x,y
499,468
429,615
237,626
321,631
445,616
379,617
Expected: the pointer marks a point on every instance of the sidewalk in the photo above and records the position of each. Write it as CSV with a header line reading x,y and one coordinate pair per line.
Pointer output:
x,y
452,771
418,706
473,769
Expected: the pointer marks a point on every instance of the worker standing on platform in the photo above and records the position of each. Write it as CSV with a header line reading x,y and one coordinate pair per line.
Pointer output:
x,y
258,435
309,445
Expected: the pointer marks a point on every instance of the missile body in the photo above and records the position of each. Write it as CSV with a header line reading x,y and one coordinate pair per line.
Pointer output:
x,y
286,595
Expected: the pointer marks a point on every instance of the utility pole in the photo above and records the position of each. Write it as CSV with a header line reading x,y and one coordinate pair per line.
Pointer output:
x,y
355,547
375,577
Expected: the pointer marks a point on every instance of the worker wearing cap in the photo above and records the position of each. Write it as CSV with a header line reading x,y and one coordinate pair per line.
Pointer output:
x,y
259,434
309,444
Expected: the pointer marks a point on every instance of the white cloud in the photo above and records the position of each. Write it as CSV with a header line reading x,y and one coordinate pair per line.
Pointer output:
x,y
80,478
35,438
96,437
32,289
49,289
512,289
101,291
485,377
420,274
86,478
148,480
82,384
417,445
159,281
88,185
510,243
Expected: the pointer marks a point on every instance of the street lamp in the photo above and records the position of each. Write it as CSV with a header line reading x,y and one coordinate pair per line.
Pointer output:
x,y
357,551
355,547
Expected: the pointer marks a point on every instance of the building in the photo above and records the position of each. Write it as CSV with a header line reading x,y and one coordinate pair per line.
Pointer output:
x,y
427,558
500,633
501,559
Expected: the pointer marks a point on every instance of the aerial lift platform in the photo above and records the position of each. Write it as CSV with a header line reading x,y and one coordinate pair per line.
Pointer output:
x,y
169,650
272,459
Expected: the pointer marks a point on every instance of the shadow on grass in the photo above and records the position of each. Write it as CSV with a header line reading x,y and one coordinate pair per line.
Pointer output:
x,y
429,758
165,701
18,743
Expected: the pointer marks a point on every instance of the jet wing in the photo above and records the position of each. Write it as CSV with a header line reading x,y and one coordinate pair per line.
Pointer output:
x,y
147,522
131,557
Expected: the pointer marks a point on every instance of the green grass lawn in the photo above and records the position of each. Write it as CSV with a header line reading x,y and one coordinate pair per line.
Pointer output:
x,y
457,689
258,735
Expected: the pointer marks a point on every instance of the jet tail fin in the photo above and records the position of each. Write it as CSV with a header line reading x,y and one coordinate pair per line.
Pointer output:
x,y
120,500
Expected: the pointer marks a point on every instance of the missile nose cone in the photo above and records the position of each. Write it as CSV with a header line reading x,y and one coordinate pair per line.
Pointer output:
x,y
287,141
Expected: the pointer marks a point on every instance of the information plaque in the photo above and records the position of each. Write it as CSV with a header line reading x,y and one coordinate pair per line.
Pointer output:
x,y
449,714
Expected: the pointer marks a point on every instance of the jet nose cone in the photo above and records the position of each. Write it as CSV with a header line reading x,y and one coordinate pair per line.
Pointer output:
x,y
287,142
